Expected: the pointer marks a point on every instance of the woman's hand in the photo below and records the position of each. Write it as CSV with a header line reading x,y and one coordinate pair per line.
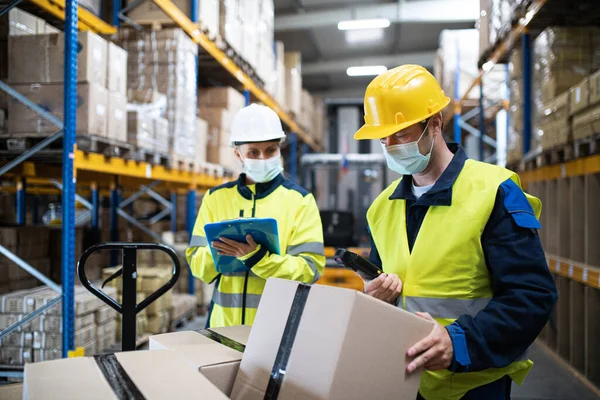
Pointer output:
x,y
228,247
386,287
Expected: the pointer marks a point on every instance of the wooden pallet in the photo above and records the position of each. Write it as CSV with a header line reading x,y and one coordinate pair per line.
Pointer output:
x,y
149,156
181,163
182,320
587,146
102,145
24,142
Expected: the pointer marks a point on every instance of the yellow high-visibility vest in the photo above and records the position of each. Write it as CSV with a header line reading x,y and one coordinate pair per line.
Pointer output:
x,y
446,274
300,240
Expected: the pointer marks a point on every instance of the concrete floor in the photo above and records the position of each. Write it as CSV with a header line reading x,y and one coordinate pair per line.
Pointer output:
x,y
548,380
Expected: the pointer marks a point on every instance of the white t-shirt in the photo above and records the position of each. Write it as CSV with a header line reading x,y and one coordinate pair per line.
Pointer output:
x,y
419,191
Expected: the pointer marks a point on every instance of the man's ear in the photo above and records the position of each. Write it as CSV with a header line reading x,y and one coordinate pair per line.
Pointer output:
x,y
436,124
238,154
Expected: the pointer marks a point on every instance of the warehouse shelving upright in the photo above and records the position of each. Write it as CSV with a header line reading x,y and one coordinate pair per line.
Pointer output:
x,y
569,190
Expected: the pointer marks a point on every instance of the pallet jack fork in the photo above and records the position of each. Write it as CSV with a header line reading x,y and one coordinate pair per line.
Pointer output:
x,y
129,307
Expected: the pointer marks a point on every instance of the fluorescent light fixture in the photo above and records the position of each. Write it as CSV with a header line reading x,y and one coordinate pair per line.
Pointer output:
x,y
364,36
363,24
367,70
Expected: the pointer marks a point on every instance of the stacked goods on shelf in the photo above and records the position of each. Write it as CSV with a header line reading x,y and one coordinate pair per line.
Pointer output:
x,y
265,51
207,13
231,23
117,93
277,83
36,70
563,57
32,245
41,339
146,128
585,106
257,31
218,106
318,120
293,82
307,110
459,51
165,62
515,129
496,19
201,142
149,280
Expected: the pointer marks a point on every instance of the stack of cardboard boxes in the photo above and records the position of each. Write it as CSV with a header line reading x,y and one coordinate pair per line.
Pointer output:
x,y
307,109
146,127
277,83
165,62
36,70
317,356
318,123
563,57
182,305
32,245
218,106
41,339
514,146
149,280
585,107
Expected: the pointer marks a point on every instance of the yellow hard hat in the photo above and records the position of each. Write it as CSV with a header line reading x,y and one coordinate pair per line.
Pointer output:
x,y
399,98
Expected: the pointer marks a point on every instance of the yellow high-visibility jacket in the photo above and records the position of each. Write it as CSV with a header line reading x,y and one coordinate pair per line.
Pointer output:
x,y
236,296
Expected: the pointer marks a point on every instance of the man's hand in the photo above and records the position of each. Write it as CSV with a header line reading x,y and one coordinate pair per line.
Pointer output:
x,y
434,352
228,247
386,287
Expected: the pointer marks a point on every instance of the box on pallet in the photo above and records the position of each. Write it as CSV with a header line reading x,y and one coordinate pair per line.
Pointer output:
x,y
91,109
117,69
586,123
157,374
40,59
339,349
595,87
201,143
280,74
117,121
221,97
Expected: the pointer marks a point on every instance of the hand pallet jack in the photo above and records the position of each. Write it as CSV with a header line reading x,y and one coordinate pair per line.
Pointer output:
x,y
129,307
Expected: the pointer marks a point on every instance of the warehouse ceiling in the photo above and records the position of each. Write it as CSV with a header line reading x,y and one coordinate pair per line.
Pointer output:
x,y
310,26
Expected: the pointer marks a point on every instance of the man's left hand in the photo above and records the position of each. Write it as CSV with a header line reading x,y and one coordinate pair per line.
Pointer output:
x,y
435,352
228,247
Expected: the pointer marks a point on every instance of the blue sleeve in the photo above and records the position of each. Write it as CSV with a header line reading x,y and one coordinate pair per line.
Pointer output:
x,y
374,254
524,292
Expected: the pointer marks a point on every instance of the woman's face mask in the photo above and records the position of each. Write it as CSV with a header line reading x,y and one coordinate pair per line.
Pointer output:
x,y
261,171
406,159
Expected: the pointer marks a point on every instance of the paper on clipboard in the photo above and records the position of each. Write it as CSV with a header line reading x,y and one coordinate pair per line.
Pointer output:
x,y
263,230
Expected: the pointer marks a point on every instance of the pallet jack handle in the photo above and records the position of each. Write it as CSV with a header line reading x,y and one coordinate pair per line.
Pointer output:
x,y
129,307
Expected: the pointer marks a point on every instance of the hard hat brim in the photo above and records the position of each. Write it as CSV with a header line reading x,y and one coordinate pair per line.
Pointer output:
x,y
367,132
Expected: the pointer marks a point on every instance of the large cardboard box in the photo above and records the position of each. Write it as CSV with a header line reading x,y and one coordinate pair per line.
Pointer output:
x,y
579,96
117,69
314,340
216,356
153,374
40,59
91,109
201,142
595,88
217,117
221,97
117,117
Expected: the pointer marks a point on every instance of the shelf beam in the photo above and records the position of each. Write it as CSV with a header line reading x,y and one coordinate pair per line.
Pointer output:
x,y
87,21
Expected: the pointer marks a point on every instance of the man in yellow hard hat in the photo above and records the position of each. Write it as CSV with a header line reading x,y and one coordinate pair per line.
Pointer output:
x,y
457,240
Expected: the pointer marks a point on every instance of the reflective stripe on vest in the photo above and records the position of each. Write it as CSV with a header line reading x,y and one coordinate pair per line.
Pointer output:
x,y
311,247
446,308
234,300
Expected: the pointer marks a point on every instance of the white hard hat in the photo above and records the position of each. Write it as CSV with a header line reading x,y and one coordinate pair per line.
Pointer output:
x,y
255,123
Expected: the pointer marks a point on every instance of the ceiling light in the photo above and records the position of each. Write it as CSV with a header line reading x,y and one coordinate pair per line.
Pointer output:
x,y
363,24
367,70
364,36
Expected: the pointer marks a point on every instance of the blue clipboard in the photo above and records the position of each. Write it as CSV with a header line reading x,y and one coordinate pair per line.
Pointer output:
x,y
263,230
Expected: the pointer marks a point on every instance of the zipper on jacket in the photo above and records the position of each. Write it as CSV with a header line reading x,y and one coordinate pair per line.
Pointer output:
x,y
247,272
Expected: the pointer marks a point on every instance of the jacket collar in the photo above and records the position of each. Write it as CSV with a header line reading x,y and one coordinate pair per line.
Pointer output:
x,y
441,192
262,189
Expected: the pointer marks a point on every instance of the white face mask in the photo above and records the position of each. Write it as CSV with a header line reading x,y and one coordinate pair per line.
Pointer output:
x,y
261,171
406,159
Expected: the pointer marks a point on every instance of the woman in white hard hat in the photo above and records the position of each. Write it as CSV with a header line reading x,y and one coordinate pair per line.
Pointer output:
x,y
261,191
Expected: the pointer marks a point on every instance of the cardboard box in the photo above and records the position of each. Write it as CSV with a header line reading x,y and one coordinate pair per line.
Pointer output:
x,y
328,351
13,391
221,97
117,69
217,117
91,109
201,141
586,123
161,135
293,81
159,322
140,130
15,355
579,96
40,59
18,339
156,374
595,88
117,113
218,362
104,314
